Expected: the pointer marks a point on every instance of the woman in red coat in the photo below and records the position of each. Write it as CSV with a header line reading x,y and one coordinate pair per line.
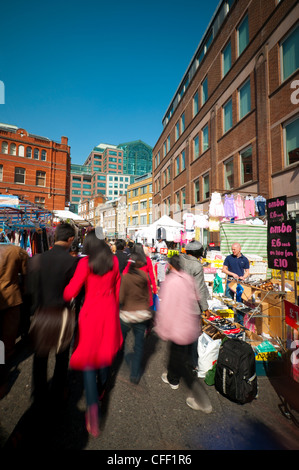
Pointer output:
x,y
99,332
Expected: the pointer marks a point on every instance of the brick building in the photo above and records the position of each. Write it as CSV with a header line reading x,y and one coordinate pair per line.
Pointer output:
x,y
233,123
34,168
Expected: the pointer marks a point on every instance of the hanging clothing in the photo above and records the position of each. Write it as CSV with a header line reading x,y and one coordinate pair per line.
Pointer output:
x,y
239,204
229,206
249,206
216,208
214,224
260,203
201,221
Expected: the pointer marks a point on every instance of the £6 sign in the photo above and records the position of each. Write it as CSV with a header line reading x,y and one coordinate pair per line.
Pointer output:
x,y
292,314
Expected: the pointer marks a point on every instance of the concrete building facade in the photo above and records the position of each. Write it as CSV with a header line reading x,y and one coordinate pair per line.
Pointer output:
x,y
233,123
108,170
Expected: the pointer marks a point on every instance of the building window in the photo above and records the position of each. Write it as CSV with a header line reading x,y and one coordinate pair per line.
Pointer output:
x,y
291,135
243,35
164,149
168,143
227,116
4,147
40,201
76,192
19,175
182,122
13,149
244,99
226,59
29,152
143,219
290,53
177,166
196,147
206,186
183,192
183,162
195,104
36,154
43,155
196,192
1,172
40,178
205,138
246,165
229,174
204,91
21,151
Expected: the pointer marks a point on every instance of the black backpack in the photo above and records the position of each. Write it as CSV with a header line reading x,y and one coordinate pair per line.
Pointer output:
x,y
235,375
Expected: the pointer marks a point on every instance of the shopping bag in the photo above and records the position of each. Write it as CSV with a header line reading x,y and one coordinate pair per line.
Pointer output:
x,y
155,305
208,350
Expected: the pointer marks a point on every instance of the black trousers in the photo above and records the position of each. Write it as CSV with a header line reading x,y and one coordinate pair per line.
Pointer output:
x,y
180,364
40,376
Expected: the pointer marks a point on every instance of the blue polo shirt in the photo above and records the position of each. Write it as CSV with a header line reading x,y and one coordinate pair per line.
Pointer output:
x,y
236,265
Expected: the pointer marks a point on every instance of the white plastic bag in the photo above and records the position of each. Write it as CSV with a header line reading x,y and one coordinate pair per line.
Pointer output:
x,y
208,350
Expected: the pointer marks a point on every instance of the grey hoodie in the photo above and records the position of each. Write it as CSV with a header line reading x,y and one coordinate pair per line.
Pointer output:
x,y
193,266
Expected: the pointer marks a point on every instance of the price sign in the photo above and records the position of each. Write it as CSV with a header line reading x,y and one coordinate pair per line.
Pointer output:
x,y
163,251
282,245
277,208
292,314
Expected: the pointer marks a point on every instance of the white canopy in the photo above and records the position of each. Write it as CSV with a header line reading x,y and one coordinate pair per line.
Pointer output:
x,y
171,227
64,215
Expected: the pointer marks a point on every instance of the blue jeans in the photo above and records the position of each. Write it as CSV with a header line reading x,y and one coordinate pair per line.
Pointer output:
x,y
139,333
94,381
228,291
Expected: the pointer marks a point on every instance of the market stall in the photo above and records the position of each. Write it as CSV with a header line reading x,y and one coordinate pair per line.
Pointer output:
x,y
264,312
165,227
25,224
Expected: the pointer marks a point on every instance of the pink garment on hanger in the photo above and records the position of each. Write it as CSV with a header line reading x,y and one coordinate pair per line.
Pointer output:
x,y
239,204
249,206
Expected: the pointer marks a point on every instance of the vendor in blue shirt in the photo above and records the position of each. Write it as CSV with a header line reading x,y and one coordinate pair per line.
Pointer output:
x,y
236,266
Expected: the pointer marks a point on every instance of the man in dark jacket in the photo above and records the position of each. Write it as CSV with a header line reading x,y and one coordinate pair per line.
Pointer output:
x,y
121,255
52,271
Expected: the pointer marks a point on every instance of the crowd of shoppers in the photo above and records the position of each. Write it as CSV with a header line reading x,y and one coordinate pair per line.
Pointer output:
x,y
112,290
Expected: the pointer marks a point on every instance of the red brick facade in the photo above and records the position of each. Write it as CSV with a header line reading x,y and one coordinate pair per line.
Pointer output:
x,y
34,167
262,127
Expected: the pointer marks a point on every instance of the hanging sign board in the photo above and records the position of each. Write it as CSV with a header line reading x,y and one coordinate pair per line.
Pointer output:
x,y
282,245
277,208
291,314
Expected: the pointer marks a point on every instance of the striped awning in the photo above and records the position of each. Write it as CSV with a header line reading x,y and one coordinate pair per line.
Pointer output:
x,y
252,238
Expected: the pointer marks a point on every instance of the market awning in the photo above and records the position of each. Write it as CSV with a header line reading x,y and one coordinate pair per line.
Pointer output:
x,y
252,238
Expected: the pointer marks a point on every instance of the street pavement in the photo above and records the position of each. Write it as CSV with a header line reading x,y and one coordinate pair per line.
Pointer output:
x,y
149,416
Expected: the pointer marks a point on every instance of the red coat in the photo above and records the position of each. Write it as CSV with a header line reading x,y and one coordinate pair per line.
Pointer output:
x,y
148,269
99,335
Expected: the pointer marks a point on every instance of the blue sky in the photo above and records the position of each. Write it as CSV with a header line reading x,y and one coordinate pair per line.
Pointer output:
x,y
96,71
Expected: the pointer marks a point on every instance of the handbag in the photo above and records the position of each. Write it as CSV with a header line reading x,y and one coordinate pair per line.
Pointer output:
x,y
52,329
